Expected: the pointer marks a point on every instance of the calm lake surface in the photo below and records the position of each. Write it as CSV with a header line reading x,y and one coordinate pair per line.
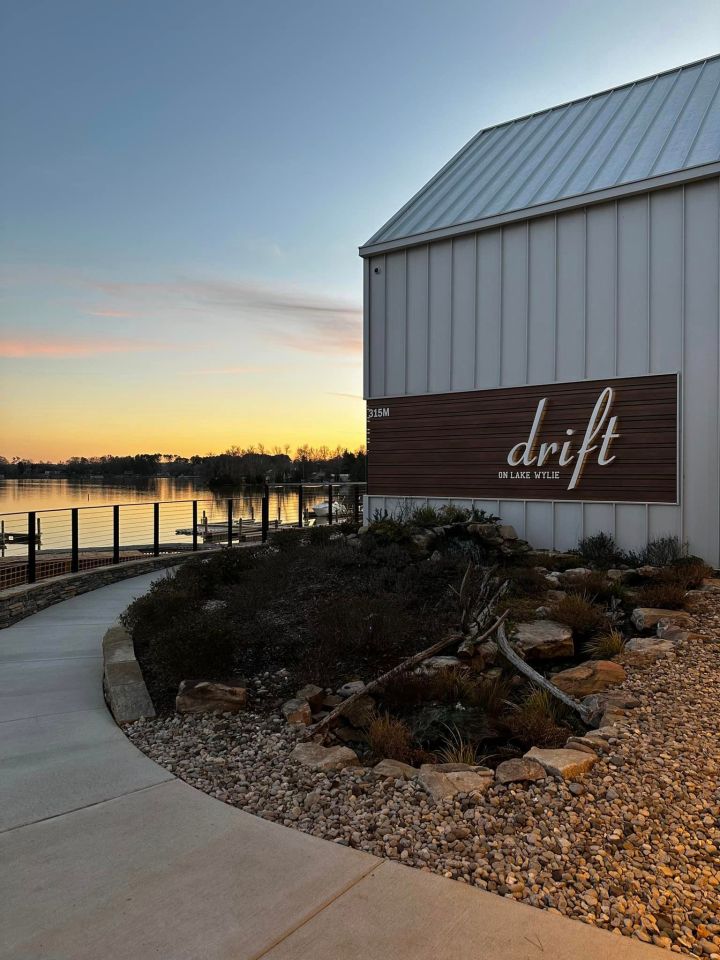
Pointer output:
x,y
51,499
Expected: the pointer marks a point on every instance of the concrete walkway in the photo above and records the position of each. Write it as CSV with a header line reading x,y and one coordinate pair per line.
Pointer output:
x,y
106,855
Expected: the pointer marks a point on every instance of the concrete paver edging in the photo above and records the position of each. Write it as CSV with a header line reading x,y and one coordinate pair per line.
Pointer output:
x,y
107,854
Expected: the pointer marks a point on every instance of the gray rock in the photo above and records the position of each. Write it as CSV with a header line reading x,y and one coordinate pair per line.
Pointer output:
x,y
645,650
213,606
507,531
349,688
317,757
645,618
202,696
433,664
544,640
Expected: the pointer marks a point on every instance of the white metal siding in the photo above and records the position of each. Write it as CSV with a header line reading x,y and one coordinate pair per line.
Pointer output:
x,y
624,288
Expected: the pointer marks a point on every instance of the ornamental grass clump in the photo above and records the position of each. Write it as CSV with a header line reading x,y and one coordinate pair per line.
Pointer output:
x,y
605,646
390,738
538,720
578,612
666,596
456,749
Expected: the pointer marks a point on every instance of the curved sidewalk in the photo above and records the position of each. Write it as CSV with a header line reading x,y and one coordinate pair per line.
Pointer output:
x,y
105,854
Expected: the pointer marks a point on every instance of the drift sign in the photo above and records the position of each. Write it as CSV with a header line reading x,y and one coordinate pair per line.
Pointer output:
x,y
612,440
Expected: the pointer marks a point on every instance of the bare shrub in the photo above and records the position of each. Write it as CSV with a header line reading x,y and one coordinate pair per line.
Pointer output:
x,y
578,612
390,738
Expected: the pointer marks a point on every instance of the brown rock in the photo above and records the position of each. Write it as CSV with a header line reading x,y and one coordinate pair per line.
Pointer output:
x,y
314,696
544,640
443,780
590,677
297,711
360,712
568,764
395,770
317,757
202,696
645,618
645,650
519,770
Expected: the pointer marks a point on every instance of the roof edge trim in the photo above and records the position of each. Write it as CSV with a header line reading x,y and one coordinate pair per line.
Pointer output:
x,y
702,172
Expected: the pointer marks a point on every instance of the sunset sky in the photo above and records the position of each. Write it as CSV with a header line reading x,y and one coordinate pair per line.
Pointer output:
x,y
184,185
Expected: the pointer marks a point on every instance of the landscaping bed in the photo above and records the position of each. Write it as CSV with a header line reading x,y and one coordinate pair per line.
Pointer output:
x,y
461,765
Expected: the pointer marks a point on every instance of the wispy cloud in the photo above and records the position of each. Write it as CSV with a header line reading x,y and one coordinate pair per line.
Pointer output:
x,y
247,368
70,347
112,314
309,321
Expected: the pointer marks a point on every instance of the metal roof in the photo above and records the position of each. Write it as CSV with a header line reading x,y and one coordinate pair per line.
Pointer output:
x,y
659,125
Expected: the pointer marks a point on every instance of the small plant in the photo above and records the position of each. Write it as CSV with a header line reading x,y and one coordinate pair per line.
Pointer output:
x,y
386,529
456,749
660,552
605,646
667,596
539,720
525,581
600,550
596,585
320,536
521,609
578,612
287,541
449,513
390,738
490,695
426,516
688,572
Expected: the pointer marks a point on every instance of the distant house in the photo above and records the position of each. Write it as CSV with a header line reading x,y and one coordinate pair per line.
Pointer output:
x,y
541,322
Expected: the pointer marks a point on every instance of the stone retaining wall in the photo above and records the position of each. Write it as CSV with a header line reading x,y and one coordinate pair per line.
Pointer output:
x,y
22,601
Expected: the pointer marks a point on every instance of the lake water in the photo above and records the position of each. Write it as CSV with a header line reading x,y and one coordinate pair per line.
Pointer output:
x,y
52,500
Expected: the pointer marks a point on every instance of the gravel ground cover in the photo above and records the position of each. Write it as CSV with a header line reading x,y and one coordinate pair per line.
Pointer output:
x,y
634,847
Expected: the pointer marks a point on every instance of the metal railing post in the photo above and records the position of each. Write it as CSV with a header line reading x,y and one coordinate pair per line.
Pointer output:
x,y
116,533
265,524
229,522
74,541
356,504
31,571
330,503
194,525
156,529
300,505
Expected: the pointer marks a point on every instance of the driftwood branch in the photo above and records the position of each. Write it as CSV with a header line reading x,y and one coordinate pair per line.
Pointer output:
x,y
323,725
512,657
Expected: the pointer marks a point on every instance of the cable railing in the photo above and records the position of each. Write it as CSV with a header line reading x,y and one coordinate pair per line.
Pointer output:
x,y
39,544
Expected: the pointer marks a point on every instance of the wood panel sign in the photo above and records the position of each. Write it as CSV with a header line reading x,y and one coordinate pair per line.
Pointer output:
x,y
602,440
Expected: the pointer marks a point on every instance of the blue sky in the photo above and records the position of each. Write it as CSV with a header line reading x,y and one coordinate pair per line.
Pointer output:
x,y
184,185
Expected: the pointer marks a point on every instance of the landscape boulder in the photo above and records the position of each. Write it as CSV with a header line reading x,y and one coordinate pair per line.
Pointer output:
x,y
607,708
329,759
297,711
349,688
645,650
443,780
543,640
593,676
519,770
645,618
394,770
314,695
360,712
202,696
568,764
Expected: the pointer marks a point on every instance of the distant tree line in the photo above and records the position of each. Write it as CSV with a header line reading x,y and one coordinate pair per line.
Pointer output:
x,y
254,464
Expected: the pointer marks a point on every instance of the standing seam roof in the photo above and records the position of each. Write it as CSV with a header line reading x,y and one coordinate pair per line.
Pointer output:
x,y
662,124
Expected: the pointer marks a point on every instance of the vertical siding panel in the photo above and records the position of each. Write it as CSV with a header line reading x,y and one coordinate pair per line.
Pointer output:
x,y
377,326
632,301
513,512
366,328
666,312
599,518
463,346
489,308
513,364
568,525
538,524
701,369
666,241
417,319
600,292
439,341
570,295
395,304
541,302
631,530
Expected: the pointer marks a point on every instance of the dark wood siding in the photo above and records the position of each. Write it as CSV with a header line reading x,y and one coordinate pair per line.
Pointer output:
x,y
456,444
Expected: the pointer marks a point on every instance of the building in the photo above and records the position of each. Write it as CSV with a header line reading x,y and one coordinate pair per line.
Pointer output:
x,y
542,323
